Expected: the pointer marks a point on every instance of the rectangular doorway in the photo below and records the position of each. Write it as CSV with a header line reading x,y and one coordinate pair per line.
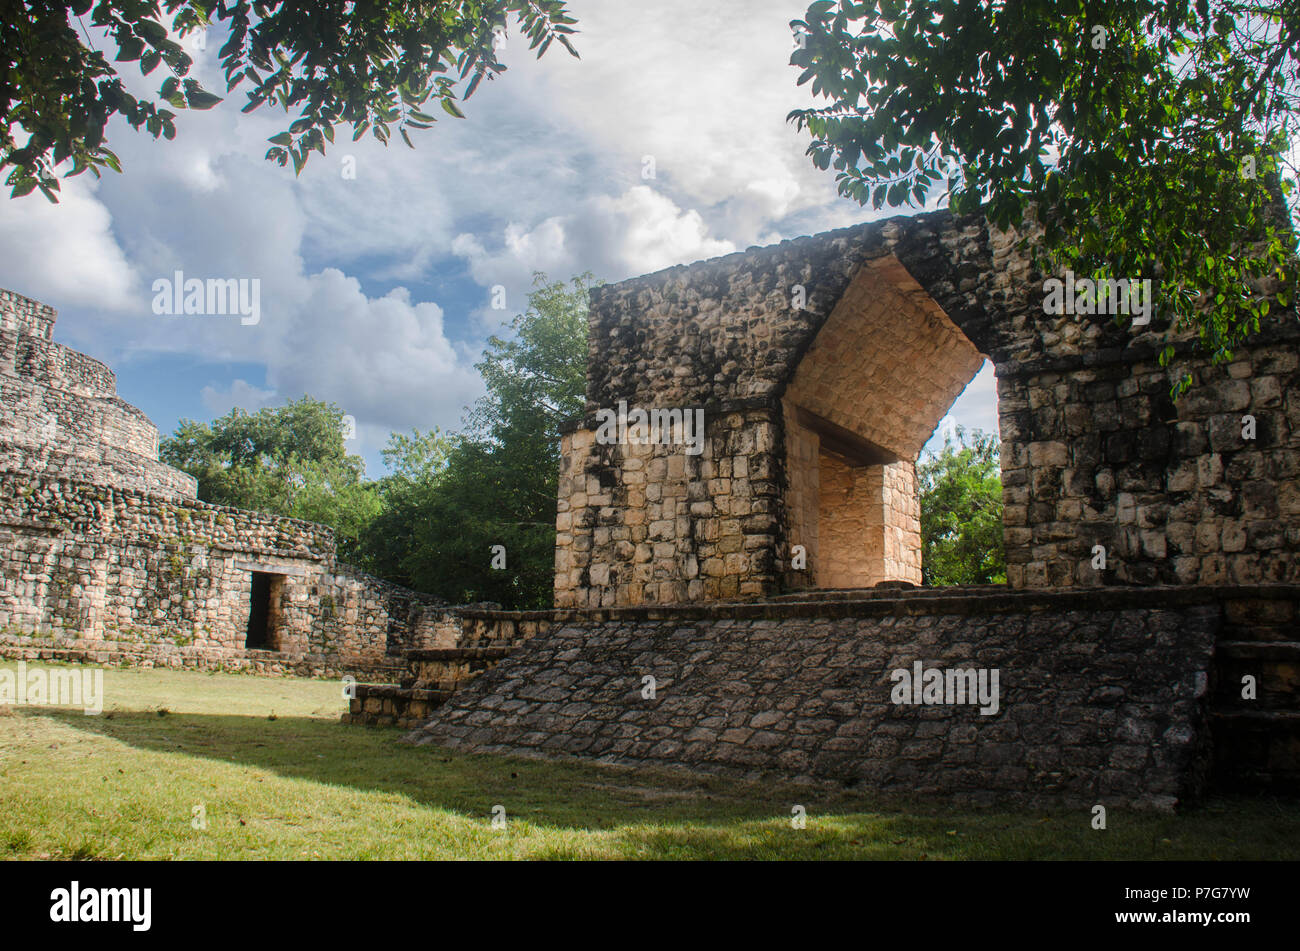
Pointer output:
x,y
263,610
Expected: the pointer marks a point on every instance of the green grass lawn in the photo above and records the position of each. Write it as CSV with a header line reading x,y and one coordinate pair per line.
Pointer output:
x,y
280,778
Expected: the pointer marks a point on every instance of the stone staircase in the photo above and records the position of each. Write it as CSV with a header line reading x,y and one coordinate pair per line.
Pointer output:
x,y
1257,742
431,675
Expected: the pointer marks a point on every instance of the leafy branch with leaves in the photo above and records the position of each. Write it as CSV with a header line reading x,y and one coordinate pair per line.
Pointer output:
x,y
1134,139
369,64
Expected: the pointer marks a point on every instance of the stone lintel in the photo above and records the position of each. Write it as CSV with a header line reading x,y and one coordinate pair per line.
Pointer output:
x,y
854,449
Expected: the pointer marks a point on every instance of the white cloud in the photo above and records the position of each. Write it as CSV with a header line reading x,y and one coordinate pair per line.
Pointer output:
x,y
643,231
220,400
384,360
705,90
614,237
64,254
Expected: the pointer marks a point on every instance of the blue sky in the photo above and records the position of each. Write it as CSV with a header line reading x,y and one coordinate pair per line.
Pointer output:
x,y
375,289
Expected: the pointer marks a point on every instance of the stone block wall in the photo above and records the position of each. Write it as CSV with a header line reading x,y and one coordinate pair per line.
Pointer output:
x,y
102,565
650,523
1098,454
900,516
19,314
105,553
481,628
45,363
802,500
41,419
60,414
1104,697
852,345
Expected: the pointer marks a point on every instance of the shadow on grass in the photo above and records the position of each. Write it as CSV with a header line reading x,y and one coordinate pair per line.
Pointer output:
x,y
656,814
572,794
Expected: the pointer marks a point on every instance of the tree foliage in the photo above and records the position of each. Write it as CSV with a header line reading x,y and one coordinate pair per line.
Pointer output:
x,y
288,460
1147,138
371,64
961,512
448,500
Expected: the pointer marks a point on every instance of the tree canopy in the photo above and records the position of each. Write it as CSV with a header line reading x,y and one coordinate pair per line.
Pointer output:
x,y
961,511
288,460
373,65
449,499
1145,138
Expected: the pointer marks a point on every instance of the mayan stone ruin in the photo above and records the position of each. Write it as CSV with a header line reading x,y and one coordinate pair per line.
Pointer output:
x,y
106,556
816,416
686,632
743,598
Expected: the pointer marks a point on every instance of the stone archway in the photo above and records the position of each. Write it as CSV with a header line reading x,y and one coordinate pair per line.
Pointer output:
x,y
864,399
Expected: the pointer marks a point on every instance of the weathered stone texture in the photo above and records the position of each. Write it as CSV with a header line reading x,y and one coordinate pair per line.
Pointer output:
x,y
123,566
803,404
430,677
1102,699
104,552
887,363
1101,455
651,523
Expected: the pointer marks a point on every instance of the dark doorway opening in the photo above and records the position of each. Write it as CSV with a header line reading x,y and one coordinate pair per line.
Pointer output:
x,y
261,612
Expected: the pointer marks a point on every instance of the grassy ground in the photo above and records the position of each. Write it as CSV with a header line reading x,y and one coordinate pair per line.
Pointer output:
x,y
279,778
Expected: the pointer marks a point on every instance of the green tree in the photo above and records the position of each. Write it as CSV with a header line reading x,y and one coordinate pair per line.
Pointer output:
x,y
449,500
1146,137
961,512
370,64
417,464
288,460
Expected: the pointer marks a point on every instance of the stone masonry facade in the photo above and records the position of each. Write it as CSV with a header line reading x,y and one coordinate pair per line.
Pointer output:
x,y
1104,696
741,603
824,364
105,554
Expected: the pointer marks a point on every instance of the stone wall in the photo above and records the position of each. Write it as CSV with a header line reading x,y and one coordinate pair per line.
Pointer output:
x,y
60,414
105,553
480,640
869,524
1103,697
121,566
1098,454
650,523
852,345
19,314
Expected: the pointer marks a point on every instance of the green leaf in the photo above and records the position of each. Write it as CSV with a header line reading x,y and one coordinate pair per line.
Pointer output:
x,y
128,48
201,99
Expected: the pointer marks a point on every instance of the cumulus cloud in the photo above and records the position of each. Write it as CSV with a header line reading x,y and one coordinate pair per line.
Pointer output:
x,y
704,90
642,230
614,237
382,359
66,254
220,400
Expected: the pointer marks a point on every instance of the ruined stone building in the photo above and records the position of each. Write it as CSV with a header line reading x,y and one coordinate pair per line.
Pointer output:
x,y
824,365
687,633
105,554
743,601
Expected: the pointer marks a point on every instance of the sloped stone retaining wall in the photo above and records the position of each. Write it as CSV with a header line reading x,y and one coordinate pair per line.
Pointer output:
x,y
1103,696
